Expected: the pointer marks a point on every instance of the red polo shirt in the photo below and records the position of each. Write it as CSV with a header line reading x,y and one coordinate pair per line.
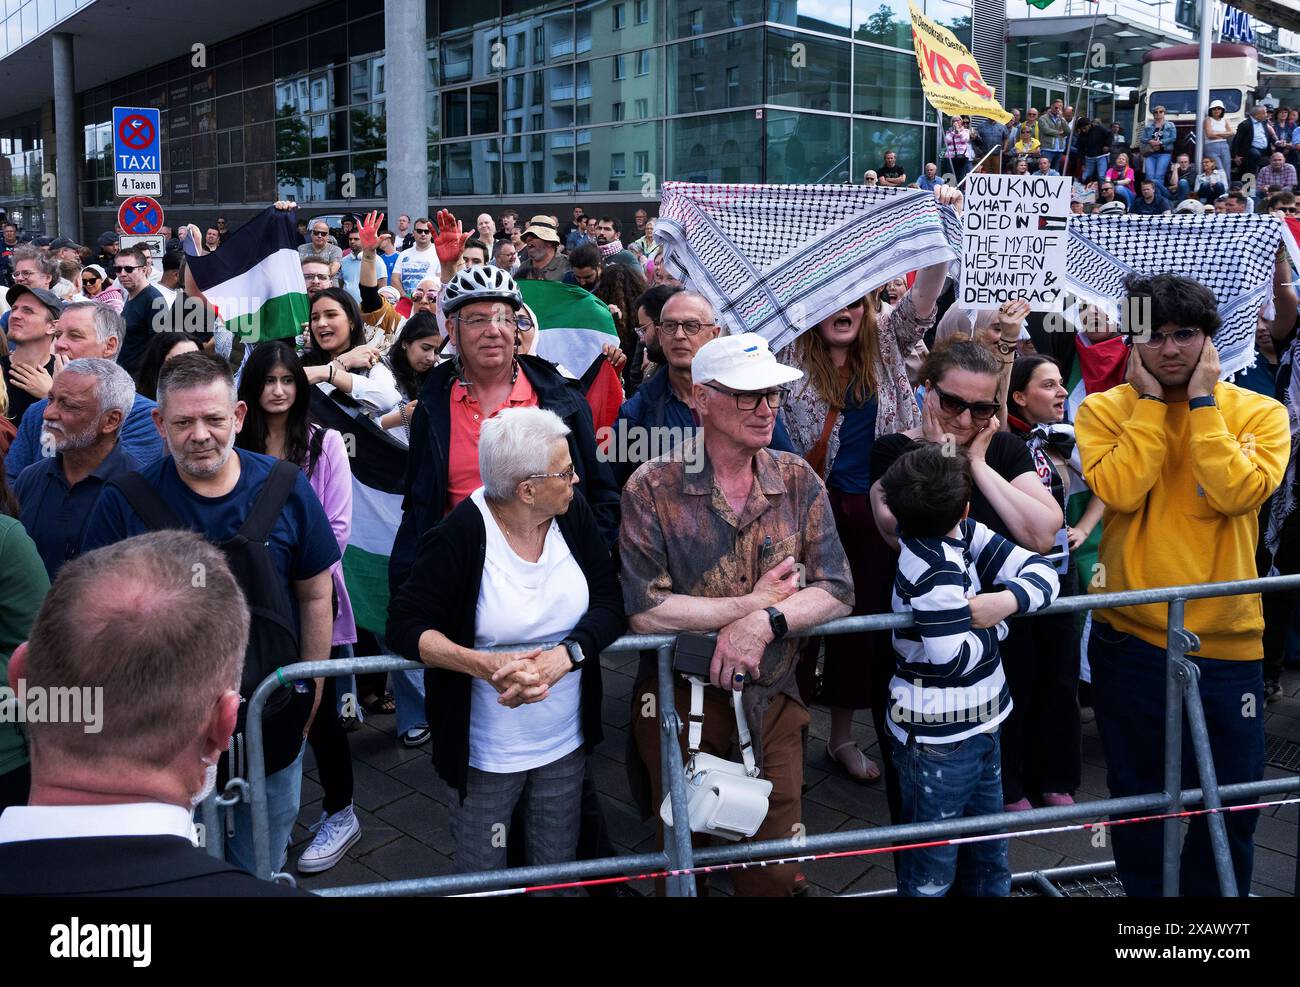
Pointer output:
x,y
467,418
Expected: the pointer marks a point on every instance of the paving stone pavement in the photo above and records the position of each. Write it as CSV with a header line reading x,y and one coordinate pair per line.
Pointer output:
x,y
405,814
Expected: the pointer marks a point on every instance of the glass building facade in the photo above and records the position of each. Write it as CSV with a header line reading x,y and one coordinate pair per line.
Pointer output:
x,y
534,99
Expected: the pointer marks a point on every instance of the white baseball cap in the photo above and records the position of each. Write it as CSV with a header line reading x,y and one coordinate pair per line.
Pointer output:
x,y
741,363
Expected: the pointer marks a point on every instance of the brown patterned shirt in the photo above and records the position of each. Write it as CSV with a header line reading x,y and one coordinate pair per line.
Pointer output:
x,y
680,535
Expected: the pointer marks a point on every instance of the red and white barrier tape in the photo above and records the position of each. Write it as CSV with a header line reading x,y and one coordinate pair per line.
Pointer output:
x,y
868,851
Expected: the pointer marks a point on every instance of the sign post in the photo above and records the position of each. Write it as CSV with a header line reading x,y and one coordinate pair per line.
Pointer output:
x,y
137,151
1013,245
140,215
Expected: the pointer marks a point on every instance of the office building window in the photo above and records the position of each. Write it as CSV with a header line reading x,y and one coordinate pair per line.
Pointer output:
x,y
733,85
620,16
620,72
643,63
617,168
643,11
642,109
640,162
617,110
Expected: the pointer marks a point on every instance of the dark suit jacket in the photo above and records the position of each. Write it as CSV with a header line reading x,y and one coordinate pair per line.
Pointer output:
x,y
1245,137
134,866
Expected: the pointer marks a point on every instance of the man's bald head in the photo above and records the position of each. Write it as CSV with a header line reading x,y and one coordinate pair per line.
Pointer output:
x,y
159,623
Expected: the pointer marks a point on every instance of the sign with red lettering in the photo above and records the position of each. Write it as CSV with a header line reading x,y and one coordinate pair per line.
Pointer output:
x,y
950,75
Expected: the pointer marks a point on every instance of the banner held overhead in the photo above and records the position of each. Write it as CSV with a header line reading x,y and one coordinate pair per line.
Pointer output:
x,y
950,75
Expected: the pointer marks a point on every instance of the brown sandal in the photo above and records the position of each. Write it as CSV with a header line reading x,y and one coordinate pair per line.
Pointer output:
x,y
868,772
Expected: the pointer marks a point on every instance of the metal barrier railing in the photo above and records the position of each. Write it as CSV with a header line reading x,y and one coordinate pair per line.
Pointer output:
x,y
1182,697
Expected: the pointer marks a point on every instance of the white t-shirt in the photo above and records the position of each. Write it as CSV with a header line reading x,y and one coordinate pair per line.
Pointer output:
x,y
414,265
521,602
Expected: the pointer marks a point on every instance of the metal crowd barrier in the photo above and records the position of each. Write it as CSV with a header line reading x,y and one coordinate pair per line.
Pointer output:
x,y
1182,697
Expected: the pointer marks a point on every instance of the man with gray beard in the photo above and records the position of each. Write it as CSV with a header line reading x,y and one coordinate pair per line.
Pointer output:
x,y
266,518
109,811
81,423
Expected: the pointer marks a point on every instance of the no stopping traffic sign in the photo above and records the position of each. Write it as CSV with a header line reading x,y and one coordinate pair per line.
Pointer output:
x,y
140,214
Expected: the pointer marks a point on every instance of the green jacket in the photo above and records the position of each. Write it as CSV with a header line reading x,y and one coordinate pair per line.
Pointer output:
x,y
23,585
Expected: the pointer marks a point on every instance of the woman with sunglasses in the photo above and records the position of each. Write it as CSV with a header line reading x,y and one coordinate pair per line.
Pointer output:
x,y
855,388
99,287
962,381
1045,721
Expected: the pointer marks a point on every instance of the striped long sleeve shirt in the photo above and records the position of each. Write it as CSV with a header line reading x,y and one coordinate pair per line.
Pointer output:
x,y
948,681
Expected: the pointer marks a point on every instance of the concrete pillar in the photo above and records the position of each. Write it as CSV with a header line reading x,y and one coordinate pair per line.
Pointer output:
x,y
65,142
404,101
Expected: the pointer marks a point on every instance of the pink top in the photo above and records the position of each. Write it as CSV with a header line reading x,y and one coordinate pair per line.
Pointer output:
x,y
332,481
1113,175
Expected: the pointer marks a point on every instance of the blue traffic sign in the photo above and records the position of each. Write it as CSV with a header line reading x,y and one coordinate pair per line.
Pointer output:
x,y
136,140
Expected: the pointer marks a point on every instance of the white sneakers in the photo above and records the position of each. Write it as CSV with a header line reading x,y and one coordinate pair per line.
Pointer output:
x,y
334,835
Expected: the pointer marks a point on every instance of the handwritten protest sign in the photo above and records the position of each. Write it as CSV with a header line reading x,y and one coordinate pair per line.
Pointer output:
x,y
1013,240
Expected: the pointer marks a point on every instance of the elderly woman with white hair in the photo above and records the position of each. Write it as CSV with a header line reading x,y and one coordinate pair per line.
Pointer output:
x,y
509,603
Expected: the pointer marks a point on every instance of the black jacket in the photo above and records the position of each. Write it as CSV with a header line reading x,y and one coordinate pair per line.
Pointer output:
x,y
137,866
1244,138
442,594
1093,142
425,490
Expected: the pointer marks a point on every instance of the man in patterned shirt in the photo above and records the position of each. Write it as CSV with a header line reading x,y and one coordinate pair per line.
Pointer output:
x,y
719,541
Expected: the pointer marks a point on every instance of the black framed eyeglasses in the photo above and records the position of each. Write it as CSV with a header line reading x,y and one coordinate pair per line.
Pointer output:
x,y
980,411
691,327
748,400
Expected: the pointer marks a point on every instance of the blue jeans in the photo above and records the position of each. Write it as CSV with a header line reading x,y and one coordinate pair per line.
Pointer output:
x,y
408,694
1128,682
1095,167
1123,192
1156,166
1219,151
283,799
948,781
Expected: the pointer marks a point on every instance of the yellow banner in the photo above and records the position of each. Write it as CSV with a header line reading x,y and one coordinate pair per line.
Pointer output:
x,y
949,74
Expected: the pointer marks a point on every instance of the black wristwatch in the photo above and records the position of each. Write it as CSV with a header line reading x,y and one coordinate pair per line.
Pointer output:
x,y
575,652
776,620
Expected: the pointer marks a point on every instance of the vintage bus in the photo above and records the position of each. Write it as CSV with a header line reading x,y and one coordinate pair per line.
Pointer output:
x,y
1169,80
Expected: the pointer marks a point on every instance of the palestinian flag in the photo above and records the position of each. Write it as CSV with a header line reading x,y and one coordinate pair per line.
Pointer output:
x,y
573,325
254,279
378,467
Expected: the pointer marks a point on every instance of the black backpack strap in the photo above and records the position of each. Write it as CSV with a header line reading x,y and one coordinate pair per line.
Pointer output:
x,y
144,500
270,502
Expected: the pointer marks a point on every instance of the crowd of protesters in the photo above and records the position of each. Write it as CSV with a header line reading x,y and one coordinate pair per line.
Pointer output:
x,y
897,455
1251,167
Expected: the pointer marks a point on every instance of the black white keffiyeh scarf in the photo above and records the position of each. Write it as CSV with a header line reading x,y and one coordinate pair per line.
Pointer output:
x,y
777,259
1231,255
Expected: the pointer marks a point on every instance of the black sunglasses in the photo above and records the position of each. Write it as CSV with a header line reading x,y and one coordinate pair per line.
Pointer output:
x,y
980,411
125,270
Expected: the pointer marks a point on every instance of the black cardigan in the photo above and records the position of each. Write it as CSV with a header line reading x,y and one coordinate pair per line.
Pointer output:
x,y
441,593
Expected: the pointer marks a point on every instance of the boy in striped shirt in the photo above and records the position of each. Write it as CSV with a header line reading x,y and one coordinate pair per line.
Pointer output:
x,y
960,581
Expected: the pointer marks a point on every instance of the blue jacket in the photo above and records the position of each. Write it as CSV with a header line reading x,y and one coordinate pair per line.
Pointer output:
x,y
139,436
656,406
1167,134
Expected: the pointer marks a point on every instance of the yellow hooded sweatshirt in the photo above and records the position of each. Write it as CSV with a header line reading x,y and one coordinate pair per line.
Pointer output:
x,y
1182,490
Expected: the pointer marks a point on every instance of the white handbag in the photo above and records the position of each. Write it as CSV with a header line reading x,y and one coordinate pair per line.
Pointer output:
x,y
723,798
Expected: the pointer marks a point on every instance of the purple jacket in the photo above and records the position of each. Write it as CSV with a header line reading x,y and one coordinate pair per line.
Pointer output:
x,y
332,481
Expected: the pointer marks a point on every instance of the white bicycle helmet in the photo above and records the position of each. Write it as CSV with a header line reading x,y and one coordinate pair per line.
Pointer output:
x,y
480,283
